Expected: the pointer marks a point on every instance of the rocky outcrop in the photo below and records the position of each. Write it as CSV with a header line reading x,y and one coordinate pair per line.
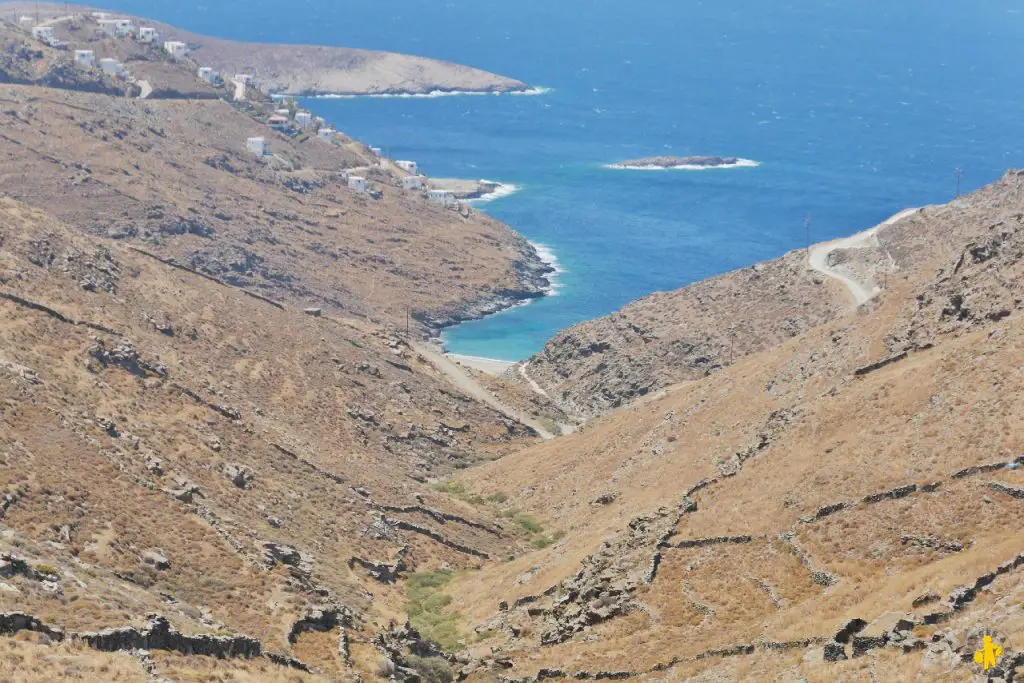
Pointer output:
x,y
322,619
878,365
440,538
382,572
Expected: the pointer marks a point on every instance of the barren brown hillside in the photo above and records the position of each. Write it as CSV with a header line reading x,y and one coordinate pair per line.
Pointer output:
x,y
174,177
224,458
173,445
779,518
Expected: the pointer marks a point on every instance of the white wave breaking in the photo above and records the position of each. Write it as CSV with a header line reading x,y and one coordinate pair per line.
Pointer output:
x,y
548,257
433,94
501,190
740,163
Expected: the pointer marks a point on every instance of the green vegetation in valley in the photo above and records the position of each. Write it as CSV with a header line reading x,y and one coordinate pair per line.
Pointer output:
x,y
426,606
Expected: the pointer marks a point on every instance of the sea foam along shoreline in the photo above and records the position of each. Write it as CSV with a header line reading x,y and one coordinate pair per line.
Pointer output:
x,y
740,163
549,258
433,94
500,190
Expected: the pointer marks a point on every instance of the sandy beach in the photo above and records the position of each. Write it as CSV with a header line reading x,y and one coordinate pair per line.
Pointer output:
x,y
488,366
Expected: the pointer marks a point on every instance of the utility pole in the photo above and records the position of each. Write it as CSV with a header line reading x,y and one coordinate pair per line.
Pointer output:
x,y
959,175
407,323
807,228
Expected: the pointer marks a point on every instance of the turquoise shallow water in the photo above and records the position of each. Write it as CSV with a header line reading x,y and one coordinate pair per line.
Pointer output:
x,y
855,111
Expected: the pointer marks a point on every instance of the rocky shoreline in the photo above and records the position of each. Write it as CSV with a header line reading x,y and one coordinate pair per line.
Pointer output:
x,y
533,282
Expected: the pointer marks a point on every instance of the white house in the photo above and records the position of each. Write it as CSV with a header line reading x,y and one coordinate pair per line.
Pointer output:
x,y
257,146
414,182
117,28
245,79
357,183
278,122
176,49
86,58
303,119
148,34
409,166
112,67
327,134
284,111
100,15
209,75
44,34
26,22
446,197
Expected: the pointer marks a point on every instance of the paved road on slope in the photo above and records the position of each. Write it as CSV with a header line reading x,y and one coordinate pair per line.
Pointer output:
x,y
819,254
473,388
146,89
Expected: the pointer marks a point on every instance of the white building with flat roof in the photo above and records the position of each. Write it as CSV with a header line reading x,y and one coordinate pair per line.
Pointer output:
x,y
112,67
446,197
44,34
357,183
209,75
117,28
303,119
414,182
26,22
86,58
257,146
148,34
176,49
327,134
409,166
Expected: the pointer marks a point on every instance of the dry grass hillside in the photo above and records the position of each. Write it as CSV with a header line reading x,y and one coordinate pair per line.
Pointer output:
x,y
179,447
174,177
734,526
222,458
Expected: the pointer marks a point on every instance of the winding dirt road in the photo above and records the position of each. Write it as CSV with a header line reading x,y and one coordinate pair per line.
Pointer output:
x,y
470,386
819,253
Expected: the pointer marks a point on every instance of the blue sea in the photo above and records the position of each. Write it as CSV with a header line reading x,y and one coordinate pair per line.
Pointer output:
x,y
855,109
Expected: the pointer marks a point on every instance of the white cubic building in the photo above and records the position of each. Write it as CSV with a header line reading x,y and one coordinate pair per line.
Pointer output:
x,y
327,133
357,183
26,22
409,166
117,28
176,49
304,119
414,182
112,67
257,146
446,197
44,34
86,58
209,75
245,79
148,34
